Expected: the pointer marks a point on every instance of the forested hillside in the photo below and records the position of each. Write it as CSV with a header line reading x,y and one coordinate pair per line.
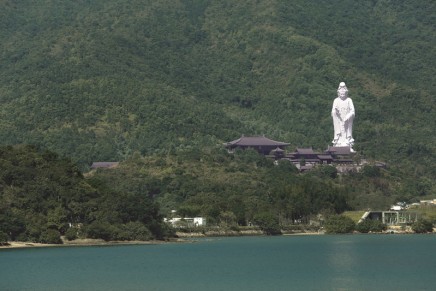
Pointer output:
x,y
240,188
43,196
100,80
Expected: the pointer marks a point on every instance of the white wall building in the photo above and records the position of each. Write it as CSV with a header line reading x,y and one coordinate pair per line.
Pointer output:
x,y
186,221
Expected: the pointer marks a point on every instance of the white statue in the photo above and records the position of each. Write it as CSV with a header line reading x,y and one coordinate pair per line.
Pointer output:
x,y
343,116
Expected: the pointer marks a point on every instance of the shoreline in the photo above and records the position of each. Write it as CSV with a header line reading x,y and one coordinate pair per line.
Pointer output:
x,y
240,233
182,237
86,243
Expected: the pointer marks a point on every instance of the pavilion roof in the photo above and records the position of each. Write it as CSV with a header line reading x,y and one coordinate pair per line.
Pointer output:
x,y
305,151
277,149
256,141
339,150
325,157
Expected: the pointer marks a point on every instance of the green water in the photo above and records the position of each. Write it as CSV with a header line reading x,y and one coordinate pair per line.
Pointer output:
x,y
350,262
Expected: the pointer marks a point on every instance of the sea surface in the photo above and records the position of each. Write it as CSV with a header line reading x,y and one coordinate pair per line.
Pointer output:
x,y
321,262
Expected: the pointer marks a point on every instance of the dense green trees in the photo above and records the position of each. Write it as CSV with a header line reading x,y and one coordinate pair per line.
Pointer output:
x,y
71,233
50,236
3,238
100,80
339,224
369,225
234,188
226,188
111,79
43,195
268,223
422,226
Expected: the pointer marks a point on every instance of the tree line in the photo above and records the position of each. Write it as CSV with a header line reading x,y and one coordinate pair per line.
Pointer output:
x,y
44,196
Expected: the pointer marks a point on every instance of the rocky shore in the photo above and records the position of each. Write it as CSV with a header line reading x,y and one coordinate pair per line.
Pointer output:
x,y
251,232
85,242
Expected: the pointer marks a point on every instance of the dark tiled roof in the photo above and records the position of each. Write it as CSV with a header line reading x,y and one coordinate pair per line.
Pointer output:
x,y
278,150
255,141
105,165
303,151
339,150
325,157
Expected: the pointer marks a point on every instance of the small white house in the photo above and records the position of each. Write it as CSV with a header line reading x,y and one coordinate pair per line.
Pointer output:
x,y
396,208
199,221
428,202
186,221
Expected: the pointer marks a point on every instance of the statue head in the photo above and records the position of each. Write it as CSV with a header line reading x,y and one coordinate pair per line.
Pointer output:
x,y
342,91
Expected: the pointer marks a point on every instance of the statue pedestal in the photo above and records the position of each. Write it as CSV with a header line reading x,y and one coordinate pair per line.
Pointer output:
x,y
343,142
343,147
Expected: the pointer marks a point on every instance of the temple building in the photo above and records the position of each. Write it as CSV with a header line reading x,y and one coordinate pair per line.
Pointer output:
x,y
341,155
310,157
303,158
261,144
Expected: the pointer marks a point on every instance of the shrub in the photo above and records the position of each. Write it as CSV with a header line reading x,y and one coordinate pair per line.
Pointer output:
x,y
339,224
71,233
422,226
3,238
33,233
102,230
328,171
51,236
134,231
161,230
371,171
369,225
268,223
286,167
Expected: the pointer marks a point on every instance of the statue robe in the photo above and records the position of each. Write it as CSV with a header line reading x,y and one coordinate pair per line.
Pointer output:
x,y
343,116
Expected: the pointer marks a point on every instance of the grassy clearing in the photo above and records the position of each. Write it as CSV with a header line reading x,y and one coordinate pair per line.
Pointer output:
x,y
354,215
426,211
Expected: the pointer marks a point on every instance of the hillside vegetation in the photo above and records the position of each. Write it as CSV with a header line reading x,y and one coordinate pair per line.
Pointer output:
x,y
237,188
43,197
103,80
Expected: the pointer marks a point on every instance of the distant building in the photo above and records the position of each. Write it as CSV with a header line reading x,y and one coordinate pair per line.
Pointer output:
x,y
391,217
341,155
303,158
180,222
261,144
278,153
338,151
325,159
